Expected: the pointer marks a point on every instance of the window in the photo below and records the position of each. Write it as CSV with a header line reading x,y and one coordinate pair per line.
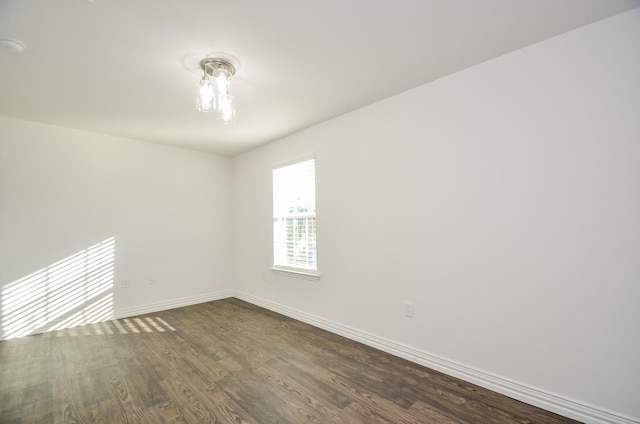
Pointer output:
x,y
294,218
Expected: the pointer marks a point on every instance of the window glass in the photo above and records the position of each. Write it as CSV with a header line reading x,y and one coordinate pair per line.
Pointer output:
x,y
294,216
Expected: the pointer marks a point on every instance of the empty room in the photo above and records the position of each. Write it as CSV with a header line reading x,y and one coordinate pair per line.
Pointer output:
x,y
320,212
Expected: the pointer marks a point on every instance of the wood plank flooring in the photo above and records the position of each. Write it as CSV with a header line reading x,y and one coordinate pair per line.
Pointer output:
x,y
230,362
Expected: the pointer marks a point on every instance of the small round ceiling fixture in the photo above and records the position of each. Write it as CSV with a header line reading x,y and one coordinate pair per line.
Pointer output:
x,y
214,92
13,45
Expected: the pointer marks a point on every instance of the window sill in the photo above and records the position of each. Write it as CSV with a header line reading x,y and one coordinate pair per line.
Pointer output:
x,y
296,273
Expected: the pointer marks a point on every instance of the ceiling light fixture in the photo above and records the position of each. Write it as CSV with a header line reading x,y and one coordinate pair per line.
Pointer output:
x,y
214,94
13,45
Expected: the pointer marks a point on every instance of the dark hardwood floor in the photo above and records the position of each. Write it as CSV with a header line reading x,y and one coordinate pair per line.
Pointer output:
x,y
230,362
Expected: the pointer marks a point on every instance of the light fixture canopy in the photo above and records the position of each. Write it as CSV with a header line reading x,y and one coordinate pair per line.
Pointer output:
x,y
214,93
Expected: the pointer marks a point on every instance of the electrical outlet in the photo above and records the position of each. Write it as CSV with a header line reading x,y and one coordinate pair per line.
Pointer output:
x,y
125,283
408,309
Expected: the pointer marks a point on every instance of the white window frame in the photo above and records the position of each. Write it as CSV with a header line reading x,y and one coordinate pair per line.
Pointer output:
x,y
282,265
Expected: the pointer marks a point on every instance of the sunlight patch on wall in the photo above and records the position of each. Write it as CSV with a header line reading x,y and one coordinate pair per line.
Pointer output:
x,y
74,291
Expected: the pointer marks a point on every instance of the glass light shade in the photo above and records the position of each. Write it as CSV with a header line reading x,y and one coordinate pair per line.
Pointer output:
x,y
226,108
221,81
205,98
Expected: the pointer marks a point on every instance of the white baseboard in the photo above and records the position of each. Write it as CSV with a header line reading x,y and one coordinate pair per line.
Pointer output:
x,y
533,396
171,304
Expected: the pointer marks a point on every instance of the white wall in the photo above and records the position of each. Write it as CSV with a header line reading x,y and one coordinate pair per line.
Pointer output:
x,y
503,200
63,191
